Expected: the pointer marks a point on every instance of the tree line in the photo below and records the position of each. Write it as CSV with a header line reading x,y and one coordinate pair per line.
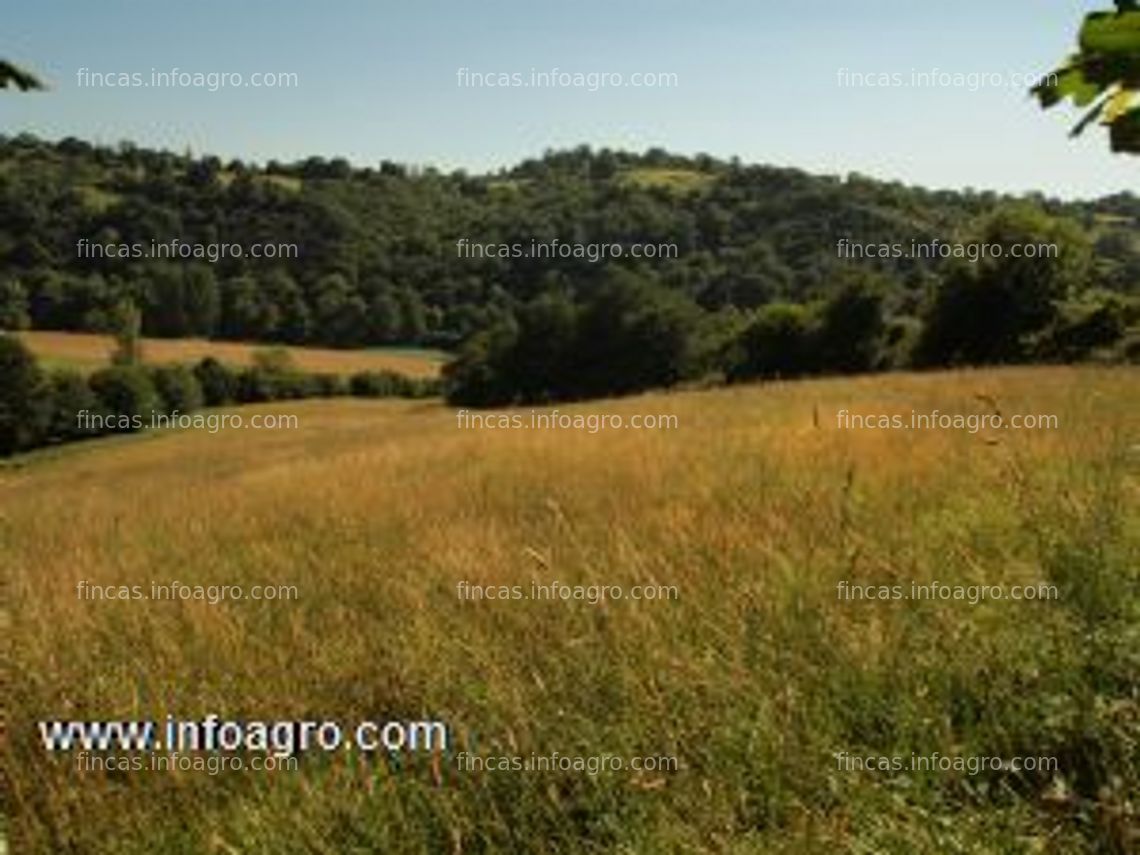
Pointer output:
x,y
632,334
41,408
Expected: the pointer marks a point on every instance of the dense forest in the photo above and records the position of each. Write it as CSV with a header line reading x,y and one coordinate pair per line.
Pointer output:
x,y
756,286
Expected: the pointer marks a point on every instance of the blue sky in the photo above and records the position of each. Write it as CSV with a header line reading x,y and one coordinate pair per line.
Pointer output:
x,y
760,80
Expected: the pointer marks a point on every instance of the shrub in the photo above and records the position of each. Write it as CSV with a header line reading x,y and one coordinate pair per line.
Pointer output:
x,y
900,339
631,335
127,394
25,398
426,387
296,384
75,410
477,377
996,310
1098,321
1129,347
778,343
389,384
852,326
255,385
218,383
13,305
329,385
273,376
375,384
178,388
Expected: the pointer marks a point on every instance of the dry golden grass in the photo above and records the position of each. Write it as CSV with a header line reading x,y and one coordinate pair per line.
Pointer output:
x,y
87,352
753,677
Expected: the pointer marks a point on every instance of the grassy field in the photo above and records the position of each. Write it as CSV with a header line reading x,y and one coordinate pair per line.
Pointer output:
x,y
676,180
87,352
756,506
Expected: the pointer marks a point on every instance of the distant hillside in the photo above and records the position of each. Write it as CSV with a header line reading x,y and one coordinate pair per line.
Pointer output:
x,y
378,259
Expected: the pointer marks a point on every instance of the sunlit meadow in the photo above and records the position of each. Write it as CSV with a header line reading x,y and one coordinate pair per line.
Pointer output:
x,y
756,506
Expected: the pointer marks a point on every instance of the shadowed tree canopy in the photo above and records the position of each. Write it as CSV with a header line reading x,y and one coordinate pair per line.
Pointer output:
x,y
380,258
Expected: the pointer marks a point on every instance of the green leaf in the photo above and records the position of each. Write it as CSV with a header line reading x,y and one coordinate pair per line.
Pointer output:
x,y
1084,91
1108,33
1069,82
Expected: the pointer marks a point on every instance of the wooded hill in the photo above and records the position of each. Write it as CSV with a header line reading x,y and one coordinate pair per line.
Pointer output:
x,y
377,247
